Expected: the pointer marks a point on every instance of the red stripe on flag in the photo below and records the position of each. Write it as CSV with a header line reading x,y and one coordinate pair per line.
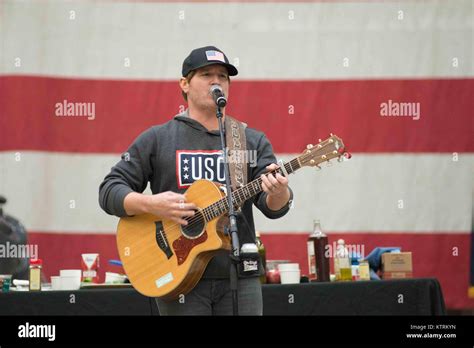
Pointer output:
x,y
350,109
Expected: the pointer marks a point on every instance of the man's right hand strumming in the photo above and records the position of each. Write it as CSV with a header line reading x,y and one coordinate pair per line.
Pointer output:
x,y
167,205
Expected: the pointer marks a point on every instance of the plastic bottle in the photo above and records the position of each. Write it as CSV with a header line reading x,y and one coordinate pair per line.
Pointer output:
x,y
263,256
36,266
355,269
342,263
318,263
364,270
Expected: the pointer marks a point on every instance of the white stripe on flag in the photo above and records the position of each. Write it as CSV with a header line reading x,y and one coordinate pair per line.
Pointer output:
x,y
369,193
303,41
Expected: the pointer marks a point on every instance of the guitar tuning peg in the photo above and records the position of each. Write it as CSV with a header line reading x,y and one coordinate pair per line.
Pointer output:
x,y
331,134
309,146
318,167
344,157
319,140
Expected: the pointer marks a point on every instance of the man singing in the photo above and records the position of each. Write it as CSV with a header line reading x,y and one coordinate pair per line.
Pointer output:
x,y
193,139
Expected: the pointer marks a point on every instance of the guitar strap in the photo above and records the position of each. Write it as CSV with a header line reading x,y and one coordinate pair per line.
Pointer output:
x,y
237,151
236,142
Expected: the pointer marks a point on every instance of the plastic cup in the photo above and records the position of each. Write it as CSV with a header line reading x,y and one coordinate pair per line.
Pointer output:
x,y
289,267
70,273
290,277
5,282
56,283
70,283
70,279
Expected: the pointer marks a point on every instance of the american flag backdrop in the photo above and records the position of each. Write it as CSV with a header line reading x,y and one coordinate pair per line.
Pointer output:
x,y
79,81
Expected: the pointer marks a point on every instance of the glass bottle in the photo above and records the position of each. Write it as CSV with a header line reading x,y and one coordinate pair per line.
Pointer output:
x,y
342,263
36,266
318,263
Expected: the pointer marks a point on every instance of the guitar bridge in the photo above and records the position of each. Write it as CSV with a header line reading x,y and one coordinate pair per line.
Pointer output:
x,y
162,240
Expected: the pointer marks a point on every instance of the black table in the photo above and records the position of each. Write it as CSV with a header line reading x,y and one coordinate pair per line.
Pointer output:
x,y
391,297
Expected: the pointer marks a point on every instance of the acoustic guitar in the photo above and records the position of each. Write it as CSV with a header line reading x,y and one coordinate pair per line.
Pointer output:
x,y
164,259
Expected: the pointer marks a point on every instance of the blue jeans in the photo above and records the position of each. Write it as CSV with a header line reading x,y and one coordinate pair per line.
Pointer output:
x,y
214,297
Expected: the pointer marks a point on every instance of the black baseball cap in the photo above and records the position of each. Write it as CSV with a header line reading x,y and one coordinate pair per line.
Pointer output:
x,y
204,56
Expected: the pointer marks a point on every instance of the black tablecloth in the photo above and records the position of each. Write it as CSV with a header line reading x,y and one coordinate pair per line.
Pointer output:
x,y
391,297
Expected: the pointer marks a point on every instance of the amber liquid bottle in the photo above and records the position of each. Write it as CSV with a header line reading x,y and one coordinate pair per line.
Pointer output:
x,y
318,261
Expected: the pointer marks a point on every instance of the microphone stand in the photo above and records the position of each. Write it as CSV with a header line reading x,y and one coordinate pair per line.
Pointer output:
x,y
232,230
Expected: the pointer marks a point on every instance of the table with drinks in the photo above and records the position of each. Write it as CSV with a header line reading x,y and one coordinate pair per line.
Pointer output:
x,y
71,296
285,290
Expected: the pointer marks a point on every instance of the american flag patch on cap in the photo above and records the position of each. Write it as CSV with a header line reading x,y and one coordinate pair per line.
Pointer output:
x,y
215,55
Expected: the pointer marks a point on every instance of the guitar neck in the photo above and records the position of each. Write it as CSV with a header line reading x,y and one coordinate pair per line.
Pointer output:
x,y
241,194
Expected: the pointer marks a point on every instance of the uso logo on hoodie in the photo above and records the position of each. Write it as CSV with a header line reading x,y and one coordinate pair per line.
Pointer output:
x,y
192,165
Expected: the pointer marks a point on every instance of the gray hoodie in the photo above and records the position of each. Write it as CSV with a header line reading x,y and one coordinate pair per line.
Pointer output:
x,y
171,157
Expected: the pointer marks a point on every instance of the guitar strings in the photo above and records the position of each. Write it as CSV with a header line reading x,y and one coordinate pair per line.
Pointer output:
x,y
174,230
198,218
201,216
258,181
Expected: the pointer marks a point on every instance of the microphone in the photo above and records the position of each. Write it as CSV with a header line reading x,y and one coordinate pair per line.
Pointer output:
x,y
218,94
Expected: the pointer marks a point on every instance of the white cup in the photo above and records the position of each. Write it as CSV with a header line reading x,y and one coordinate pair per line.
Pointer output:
x,y
111,278
70,273
70,283
289,267
290,277
70,279
56,283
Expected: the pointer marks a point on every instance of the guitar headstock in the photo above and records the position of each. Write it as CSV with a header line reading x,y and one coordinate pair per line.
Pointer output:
x,y
324,151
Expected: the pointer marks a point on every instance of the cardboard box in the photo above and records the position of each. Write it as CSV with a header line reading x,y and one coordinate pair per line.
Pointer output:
x,y
397,275
397,262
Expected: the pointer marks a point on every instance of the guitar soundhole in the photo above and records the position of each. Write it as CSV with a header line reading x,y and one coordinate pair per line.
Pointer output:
x,y
195,227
